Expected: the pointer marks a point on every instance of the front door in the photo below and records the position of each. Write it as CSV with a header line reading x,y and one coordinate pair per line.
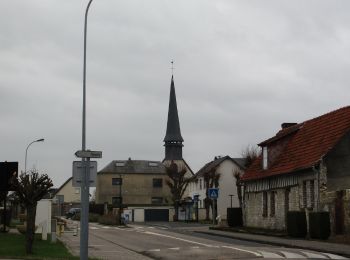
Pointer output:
x,y
339,213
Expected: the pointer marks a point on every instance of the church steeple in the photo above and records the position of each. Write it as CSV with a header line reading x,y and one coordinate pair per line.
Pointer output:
x,y
173,139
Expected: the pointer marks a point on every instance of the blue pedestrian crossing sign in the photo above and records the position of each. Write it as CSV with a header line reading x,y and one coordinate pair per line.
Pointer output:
x,y
213,193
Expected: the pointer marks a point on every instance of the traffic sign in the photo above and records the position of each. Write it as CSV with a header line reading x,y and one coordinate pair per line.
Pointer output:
x,y
213,193
78,170
88,154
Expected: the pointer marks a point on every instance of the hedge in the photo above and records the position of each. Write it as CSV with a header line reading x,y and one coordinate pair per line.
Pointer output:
x,y
319,225
234,217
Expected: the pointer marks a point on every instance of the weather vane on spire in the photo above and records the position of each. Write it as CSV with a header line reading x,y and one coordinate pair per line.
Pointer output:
x,y
172,67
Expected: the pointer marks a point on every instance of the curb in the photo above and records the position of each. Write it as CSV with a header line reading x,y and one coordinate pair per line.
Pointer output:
x,y
325,250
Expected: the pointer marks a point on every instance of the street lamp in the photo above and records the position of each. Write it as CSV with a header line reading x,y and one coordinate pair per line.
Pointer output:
x,y
25,161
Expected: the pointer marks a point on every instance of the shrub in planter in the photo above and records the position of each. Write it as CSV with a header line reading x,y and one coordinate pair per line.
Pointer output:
x,y
319,225
296,224
109,219
234,217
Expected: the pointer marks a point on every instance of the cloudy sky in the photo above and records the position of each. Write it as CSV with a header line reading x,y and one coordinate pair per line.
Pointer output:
x,y
241,69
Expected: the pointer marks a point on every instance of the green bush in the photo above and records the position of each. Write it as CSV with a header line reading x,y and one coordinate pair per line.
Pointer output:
x,y
319,225
296,224
92,217
234,217
108,219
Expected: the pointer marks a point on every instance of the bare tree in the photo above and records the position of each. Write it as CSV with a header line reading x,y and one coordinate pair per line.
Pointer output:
x,y
30,188
211,180
250,153
177,183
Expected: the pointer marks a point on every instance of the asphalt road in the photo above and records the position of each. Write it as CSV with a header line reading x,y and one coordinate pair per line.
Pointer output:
x,y
158,241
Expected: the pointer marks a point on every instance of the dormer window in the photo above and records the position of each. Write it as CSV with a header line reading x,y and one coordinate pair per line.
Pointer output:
x,y
265,160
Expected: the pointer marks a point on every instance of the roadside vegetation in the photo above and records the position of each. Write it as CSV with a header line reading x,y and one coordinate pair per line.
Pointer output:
x,y
12,247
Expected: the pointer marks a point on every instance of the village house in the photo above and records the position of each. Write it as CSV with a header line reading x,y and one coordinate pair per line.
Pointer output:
x,y
304,167
226,167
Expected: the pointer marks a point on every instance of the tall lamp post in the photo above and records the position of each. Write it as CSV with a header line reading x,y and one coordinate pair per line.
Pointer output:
x,y
25,160
85,180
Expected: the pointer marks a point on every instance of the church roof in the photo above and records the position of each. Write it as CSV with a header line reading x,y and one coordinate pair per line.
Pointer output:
x,y
173,132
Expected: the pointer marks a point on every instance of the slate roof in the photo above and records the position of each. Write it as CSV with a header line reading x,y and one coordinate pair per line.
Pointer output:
x,y
173,132
309,142
216,162
134,167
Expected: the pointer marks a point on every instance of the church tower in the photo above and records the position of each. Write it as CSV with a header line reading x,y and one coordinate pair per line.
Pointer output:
x,y
173,139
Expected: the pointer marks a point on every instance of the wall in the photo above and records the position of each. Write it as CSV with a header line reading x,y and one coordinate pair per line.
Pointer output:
x,y
227,186
43,214
338,165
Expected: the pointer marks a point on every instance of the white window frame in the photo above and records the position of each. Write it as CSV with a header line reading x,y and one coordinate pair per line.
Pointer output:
x,y
265,157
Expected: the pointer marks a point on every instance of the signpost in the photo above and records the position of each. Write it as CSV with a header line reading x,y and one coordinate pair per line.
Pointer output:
x,y
88,154
214,194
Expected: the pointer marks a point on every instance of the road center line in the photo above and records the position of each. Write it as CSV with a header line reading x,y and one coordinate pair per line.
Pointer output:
x,y
177,238
243,250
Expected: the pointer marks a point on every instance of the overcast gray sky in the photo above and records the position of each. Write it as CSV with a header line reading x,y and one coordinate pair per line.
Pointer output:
x,y
241,69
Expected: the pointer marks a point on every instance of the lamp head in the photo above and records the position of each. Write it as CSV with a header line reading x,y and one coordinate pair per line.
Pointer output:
x,y
40,140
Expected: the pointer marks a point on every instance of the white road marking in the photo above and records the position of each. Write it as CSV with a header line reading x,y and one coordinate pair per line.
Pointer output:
x,y
291,255
195,247
174,248
151,227
154,250
243,250
269,254
105,227
313,255
177,238
94,228
331,256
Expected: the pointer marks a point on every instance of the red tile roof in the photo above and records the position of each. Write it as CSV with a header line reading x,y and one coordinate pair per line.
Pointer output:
x,y
309,142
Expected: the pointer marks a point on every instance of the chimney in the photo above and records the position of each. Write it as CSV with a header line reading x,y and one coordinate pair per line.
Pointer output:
x,y
286,125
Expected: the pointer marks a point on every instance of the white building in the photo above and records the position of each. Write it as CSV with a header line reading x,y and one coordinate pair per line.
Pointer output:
x,y
226,167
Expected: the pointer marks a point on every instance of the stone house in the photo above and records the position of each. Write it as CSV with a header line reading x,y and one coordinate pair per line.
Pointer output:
x,y
304,167
143,183
226,167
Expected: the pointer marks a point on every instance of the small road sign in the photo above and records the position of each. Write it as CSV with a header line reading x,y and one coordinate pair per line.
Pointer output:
x,y
213,193
88,154
78,170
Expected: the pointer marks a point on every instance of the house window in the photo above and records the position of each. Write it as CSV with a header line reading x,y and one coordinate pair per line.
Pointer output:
x,y
157,200
264,204
265,157
312,194
153,164
77,190
272,203
304,195
120,164
157,183
117,181
200,184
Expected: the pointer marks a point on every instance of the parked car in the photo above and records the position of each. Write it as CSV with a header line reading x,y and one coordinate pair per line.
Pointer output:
x,y
72,212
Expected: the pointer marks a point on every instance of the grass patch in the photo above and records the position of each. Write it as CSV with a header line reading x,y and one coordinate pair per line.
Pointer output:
x,y
13,246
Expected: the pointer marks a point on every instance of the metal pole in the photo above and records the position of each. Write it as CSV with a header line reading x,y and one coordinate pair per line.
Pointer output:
x,y
120,199
213,211
85,181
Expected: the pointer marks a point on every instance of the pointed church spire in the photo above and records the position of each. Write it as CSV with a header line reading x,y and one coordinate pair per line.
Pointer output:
x,y
173,139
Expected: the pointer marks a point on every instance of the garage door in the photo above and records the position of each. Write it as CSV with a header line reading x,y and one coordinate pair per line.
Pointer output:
x,y
157,215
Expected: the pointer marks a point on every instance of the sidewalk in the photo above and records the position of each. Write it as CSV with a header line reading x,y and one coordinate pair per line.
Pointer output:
x,y
320,246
